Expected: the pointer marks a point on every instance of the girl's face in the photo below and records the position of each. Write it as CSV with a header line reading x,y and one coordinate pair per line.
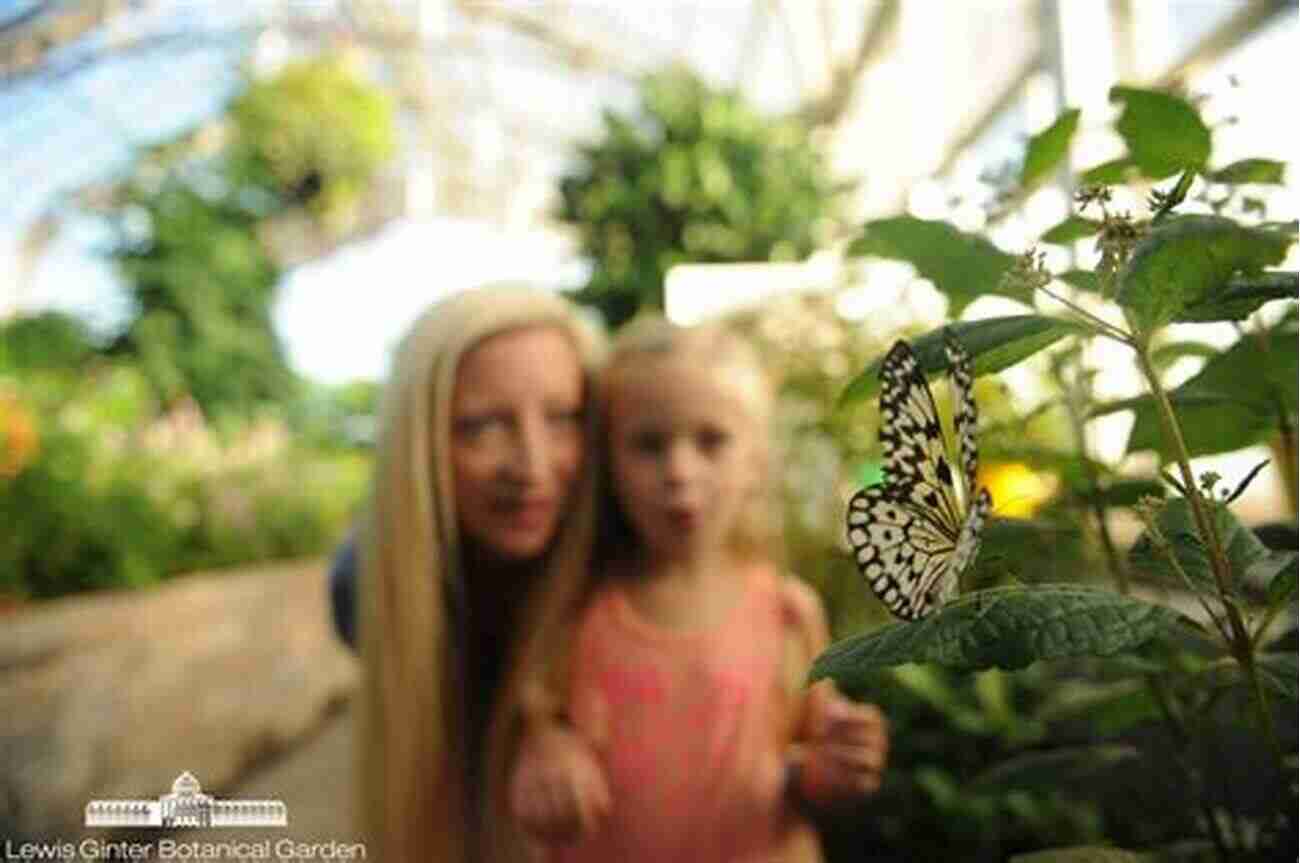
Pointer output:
x,y
682,455
516,438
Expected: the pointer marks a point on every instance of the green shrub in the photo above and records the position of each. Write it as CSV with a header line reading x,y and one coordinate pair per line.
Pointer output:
x,y
695,175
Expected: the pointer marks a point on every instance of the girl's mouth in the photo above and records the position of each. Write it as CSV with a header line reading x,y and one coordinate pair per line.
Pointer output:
x,y
683,518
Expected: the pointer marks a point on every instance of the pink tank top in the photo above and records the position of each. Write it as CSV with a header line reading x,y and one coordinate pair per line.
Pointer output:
x,y
693,726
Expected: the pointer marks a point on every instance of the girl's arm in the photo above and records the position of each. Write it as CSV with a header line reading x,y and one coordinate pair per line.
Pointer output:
x,y
558,791
840,747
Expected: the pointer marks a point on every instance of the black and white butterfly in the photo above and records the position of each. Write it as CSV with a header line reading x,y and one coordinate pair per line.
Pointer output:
x,y
915,533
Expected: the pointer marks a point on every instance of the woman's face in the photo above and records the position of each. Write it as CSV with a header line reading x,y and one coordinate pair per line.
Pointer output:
x,y
516,438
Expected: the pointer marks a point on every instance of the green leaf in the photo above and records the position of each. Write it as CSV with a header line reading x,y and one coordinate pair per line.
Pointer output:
x,y
1019,547
993,345
1048,149
1242,296
1072,229
1050,770
1178,527
1164,133
1282,582
1251,171
1190,260
962,266
1083,854
1108,708
1232,402
1165,355
1123,492
1084,280
1112,173
1007,628
1278,671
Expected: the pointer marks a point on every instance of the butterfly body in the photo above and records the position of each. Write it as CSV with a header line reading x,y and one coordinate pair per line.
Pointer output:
x,y
914,534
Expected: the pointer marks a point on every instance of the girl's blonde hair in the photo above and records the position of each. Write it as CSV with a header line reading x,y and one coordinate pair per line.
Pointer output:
x,y
418,801
731,361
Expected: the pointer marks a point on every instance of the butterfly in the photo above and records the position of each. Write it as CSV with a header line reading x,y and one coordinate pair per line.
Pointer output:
x,y
915,533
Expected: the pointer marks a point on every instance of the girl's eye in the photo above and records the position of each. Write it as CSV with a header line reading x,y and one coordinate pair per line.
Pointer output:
x,y
710,441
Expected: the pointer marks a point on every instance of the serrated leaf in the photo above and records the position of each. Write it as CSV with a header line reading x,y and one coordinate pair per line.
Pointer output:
x,y
1178,526
1112,173
1072,229
1191,260
963,266
1049,770
1083,854
1278,671
1265,171
1047,150
1006,628
993,344
1232,402
1164,133
1242,296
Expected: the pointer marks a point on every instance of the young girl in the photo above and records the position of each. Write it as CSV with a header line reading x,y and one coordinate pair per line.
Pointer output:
x,y
686,670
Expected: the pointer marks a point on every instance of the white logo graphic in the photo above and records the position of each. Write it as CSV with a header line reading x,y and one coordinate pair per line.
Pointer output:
x,y
186,806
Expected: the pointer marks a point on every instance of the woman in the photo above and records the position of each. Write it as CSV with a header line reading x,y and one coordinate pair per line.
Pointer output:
x,y
474,546
474,556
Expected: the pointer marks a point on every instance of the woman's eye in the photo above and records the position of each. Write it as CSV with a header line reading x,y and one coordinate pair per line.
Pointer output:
x,y
473,427
649,443
566,417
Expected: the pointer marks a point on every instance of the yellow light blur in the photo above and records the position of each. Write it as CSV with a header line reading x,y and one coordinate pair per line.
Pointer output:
x,y
1018,491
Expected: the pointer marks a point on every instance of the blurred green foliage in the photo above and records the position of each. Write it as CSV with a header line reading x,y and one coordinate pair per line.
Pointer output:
x,y
313,135
203,285
695,175
185,441
98,489
1197,721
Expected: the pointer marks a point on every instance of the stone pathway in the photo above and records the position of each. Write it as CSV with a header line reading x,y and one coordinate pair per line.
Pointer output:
x,y
314,781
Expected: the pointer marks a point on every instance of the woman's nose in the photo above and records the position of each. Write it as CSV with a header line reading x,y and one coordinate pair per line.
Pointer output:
x,y
531,460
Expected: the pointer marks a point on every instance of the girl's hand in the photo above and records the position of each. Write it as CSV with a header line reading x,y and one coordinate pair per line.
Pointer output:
x,y
845,746
558,792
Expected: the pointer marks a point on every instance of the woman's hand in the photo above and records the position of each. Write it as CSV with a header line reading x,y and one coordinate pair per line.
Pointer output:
x,y
845,746
558,792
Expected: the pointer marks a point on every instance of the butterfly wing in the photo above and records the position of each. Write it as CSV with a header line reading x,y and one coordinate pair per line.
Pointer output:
x,y
911,439
965,415
906,532
902,551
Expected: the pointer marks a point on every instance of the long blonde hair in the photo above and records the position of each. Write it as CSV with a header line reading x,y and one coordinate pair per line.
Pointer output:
x,y
715,350
417,802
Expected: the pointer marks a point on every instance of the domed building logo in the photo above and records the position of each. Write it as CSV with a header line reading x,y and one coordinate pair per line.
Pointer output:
x,y
186,806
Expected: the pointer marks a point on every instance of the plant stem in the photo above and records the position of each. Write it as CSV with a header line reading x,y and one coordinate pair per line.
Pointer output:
x,y
1103,328
1241,643
1284,447
1204,524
